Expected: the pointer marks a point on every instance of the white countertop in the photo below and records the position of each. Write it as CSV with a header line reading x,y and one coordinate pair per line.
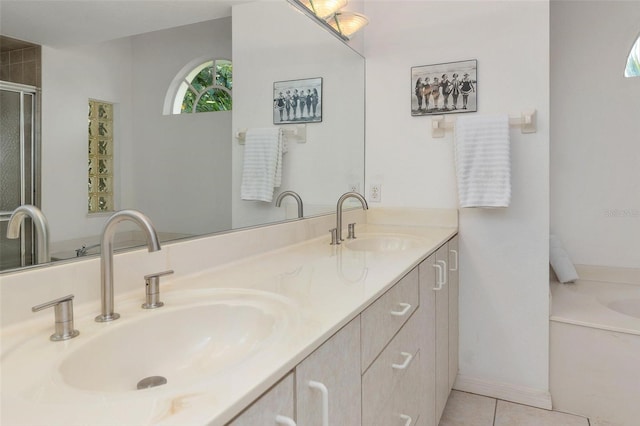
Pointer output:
x,y
329,285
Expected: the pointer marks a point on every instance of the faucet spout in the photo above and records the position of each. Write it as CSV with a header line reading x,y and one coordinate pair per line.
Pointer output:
x,y
106,256
41,225
341,201
295,196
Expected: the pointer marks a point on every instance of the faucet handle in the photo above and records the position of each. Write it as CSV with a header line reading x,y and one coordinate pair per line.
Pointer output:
x,y
63,311
334,236
352,231
152,289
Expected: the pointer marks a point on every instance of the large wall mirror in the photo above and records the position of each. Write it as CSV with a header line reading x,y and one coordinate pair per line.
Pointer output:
x,y
183,170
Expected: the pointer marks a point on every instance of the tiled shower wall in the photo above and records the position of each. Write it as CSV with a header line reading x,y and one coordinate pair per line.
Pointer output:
x,y
21,66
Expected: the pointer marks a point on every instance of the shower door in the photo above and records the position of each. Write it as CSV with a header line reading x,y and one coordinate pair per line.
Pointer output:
x,y
18,167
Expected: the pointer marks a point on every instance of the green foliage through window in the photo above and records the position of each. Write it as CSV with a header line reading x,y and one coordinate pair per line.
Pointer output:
x,y
209,89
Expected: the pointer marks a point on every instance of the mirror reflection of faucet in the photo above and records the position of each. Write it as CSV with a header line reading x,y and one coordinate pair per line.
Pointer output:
x,y
106,256
295,196
82,251
41,225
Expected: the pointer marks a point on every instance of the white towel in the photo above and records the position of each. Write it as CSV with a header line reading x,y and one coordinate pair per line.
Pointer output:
x,y
483,163
262,169
560,261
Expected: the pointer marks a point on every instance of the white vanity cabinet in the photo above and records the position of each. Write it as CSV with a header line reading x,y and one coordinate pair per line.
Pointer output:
x,y
328,382
394,364
274,408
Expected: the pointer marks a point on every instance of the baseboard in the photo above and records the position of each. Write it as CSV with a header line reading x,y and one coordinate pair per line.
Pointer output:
x,y
508,392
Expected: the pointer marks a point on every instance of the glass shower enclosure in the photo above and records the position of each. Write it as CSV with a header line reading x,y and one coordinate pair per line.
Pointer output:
x,y
19,168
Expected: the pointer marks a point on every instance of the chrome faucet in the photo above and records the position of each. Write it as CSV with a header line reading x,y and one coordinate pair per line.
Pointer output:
x,y
341,201
294,195
106,256
41,225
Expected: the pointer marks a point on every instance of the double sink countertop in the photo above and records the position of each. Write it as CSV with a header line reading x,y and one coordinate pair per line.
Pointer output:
x,y
270,310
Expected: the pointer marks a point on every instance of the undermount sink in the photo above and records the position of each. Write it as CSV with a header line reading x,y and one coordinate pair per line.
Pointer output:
x,y
384,242
629,307
174,347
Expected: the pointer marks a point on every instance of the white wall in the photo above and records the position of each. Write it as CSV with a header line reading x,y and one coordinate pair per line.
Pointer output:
x,y
180,165
70,77
504,267
272,42
595,192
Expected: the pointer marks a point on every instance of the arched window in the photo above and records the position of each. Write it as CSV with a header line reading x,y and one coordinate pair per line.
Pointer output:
x,y
633,62
204,88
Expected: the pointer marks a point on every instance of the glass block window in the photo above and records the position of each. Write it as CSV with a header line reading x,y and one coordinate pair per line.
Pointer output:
x,y
633,61
205,88
100,157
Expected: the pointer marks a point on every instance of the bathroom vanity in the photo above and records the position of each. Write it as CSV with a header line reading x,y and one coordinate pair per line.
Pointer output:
x,y
265,323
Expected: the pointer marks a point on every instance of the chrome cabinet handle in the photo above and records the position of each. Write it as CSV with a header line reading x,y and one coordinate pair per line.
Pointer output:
x,y
406,307
407,419
63,312
405,364
325,400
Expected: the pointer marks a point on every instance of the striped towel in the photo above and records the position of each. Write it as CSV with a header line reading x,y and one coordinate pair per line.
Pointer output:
x,y
483,165
262,168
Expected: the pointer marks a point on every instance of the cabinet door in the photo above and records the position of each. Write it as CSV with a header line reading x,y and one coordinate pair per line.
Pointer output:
x,y
442,331
454,321
274,408
426,314
328,382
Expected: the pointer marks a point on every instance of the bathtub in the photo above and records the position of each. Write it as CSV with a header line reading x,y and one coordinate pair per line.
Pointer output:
x,y
595,346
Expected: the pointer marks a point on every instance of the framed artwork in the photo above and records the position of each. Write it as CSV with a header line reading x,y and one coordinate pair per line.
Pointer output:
x,y
446,88
297,101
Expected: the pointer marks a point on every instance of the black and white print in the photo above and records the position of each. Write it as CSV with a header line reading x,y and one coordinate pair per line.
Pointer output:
x,y
297,101
444,88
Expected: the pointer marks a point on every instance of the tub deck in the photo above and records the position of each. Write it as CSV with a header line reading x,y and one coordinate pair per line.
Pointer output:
x,y
595,349
589,303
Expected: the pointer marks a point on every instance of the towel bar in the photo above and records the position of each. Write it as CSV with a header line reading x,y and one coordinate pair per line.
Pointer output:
x,y
297,133
526,121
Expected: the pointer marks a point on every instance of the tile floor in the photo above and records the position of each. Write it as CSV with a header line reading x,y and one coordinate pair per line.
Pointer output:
x,y
467,409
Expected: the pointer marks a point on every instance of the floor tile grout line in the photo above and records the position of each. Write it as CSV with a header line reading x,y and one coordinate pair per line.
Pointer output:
x,y
495,410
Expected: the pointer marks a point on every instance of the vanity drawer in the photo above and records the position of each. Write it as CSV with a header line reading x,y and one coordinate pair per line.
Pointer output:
x,y
382,320
403,408
391,381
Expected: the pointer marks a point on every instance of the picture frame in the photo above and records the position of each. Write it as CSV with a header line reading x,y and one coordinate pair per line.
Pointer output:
x,y
449,78
290,107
